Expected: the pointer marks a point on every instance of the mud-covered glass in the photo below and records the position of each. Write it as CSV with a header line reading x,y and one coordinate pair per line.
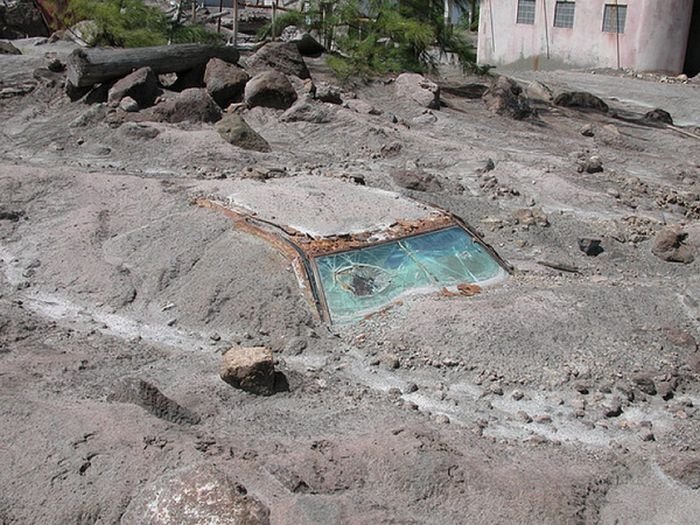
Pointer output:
x,y
358,282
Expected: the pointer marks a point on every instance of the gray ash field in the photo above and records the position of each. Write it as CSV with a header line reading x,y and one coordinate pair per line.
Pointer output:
x,y
567,393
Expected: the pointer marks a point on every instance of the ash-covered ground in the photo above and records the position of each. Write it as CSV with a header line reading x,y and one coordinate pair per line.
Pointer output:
x,y
567,394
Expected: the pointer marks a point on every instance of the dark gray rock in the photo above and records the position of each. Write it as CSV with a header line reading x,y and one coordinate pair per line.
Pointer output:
x,y
328,93
225,82
645,383
590,247
308,111
236,131
658,116
192,105
307,45
141,85
269,89
6,48
504,97
581,99
199,495
280,56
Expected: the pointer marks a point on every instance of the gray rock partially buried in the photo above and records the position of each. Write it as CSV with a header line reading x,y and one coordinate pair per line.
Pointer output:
x,y
419,89
668,245
200,495
270,89
249,368
236,131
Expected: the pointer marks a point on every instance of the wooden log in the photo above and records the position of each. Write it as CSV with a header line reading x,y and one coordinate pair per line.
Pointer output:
x,y
87,67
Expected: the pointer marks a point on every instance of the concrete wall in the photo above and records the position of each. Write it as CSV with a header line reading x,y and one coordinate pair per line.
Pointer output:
x,y
655,36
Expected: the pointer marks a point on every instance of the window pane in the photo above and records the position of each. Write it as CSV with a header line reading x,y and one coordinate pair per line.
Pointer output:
x,y
564,14
526,12
360,281
614,18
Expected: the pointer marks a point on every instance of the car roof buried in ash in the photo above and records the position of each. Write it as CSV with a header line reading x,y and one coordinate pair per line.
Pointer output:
x,y
357,250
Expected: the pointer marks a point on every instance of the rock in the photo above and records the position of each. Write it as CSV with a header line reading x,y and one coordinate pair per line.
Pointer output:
x,y
504,97
592,164
360,106
141,85
668,245
588,130
658,116
269,89
523,416
6,48
84,33
590,247
192,78
303,88
138,131
667,387
307,111
129,105
21,19
645,383
236,131
680,338
326,92
427,117
531,216
279,56
581,99
199,495
193,105
419,89
307,45
410,388
250,369
536,90
685,470
682,77
612,407
416,180
225,82
517,395
441,419
56,66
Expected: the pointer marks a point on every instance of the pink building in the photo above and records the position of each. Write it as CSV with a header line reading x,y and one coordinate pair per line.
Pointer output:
x,y
643,35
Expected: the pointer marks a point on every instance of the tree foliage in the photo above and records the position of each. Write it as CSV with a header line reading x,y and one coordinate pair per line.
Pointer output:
x,y
380,36
129,23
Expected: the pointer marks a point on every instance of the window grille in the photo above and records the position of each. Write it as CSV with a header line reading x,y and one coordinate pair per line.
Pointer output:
x,y
526,12
614,18
564,14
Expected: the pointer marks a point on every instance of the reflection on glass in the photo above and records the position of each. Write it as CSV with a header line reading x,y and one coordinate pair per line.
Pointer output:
x,y
360,281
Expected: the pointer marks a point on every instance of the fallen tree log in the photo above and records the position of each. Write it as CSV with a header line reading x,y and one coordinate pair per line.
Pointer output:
x,y
87,67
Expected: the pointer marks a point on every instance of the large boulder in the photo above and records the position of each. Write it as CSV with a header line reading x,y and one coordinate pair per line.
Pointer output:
x,y
307,45
225,82
326,92
270,89
536,90
236,131
192,105
280,56
581,99
199,495
249,368
20,19
505,97
419,89
141,86
668,245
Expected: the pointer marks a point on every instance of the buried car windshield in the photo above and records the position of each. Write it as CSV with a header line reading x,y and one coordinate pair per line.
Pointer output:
x,y
360,281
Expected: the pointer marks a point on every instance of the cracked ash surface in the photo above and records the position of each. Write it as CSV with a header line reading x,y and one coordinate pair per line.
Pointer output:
x,y
554,397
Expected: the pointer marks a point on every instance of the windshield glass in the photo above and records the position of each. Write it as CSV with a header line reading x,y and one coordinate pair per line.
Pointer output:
x,y
358,282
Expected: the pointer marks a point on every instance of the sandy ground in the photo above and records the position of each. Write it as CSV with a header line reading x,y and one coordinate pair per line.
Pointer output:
x,y
519,405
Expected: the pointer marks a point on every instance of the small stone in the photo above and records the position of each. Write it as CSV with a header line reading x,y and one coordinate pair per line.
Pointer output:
x,y
129,105
669,245
543,419
523,416
647,436
441,419
410,388
517,395
591,247
594,164
612,408
250,369
496,389
588,130
582,388
645,383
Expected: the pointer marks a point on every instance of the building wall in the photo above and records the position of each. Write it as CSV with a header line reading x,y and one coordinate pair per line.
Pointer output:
x,y
655,36
692,56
